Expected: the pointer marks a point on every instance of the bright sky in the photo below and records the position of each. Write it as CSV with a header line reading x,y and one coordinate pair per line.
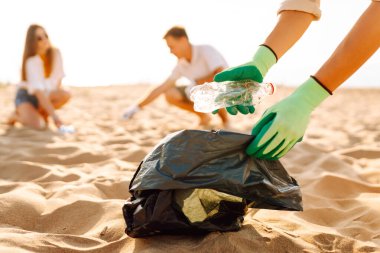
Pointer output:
x,y
120,41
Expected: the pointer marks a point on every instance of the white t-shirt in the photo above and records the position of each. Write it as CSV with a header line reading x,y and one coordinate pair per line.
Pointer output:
x,y
35,74
205,59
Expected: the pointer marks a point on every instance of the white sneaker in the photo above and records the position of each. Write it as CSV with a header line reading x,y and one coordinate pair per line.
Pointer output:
x,y
66,129
130,111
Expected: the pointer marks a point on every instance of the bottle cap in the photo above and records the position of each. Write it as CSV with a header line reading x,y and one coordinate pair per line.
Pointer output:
x,y
272,88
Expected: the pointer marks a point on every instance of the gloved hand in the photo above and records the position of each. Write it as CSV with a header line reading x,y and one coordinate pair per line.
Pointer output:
x,y
130,111
255,70
284,124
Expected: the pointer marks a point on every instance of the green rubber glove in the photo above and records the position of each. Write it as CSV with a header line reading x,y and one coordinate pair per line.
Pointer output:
x,y
284,124
255,70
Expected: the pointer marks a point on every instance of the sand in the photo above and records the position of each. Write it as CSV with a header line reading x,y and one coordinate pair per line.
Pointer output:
x,y
64,193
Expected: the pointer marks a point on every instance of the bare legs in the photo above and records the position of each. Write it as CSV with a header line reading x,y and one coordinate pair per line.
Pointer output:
x,y
59,97
29,116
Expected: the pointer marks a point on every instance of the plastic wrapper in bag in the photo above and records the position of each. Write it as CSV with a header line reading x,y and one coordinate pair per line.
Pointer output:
x,y
197,181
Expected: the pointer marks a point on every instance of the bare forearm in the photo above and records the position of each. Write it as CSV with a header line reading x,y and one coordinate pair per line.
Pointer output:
x,y
361,42
205,79
153,94
45,102
149,98
59,85
288,30
209,77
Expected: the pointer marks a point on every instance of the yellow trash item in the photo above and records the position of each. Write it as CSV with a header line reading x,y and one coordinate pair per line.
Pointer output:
x,y
200,204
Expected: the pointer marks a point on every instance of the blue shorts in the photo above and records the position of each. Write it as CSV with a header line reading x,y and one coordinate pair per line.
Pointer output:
x,y
22,96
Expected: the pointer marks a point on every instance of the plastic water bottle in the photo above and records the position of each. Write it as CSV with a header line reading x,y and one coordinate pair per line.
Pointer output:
x,y
209,97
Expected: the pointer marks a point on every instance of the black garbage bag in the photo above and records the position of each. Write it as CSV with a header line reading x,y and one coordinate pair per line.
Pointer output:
x,y
191,167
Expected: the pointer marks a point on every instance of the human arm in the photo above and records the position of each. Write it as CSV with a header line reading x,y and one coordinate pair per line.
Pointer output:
x,y
284,124
157,91
45,103
152,95
209,77
356,48
279,41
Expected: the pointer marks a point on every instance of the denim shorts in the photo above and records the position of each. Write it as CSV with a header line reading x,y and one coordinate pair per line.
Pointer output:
x,y
22,96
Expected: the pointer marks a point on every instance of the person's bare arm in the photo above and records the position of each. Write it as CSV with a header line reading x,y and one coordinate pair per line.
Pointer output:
x,y
276,132
360,43
289,29
157,91
47,106
59,84
209,77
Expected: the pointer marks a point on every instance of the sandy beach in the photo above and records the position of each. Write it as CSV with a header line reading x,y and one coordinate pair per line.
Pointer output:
x,y
64,193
